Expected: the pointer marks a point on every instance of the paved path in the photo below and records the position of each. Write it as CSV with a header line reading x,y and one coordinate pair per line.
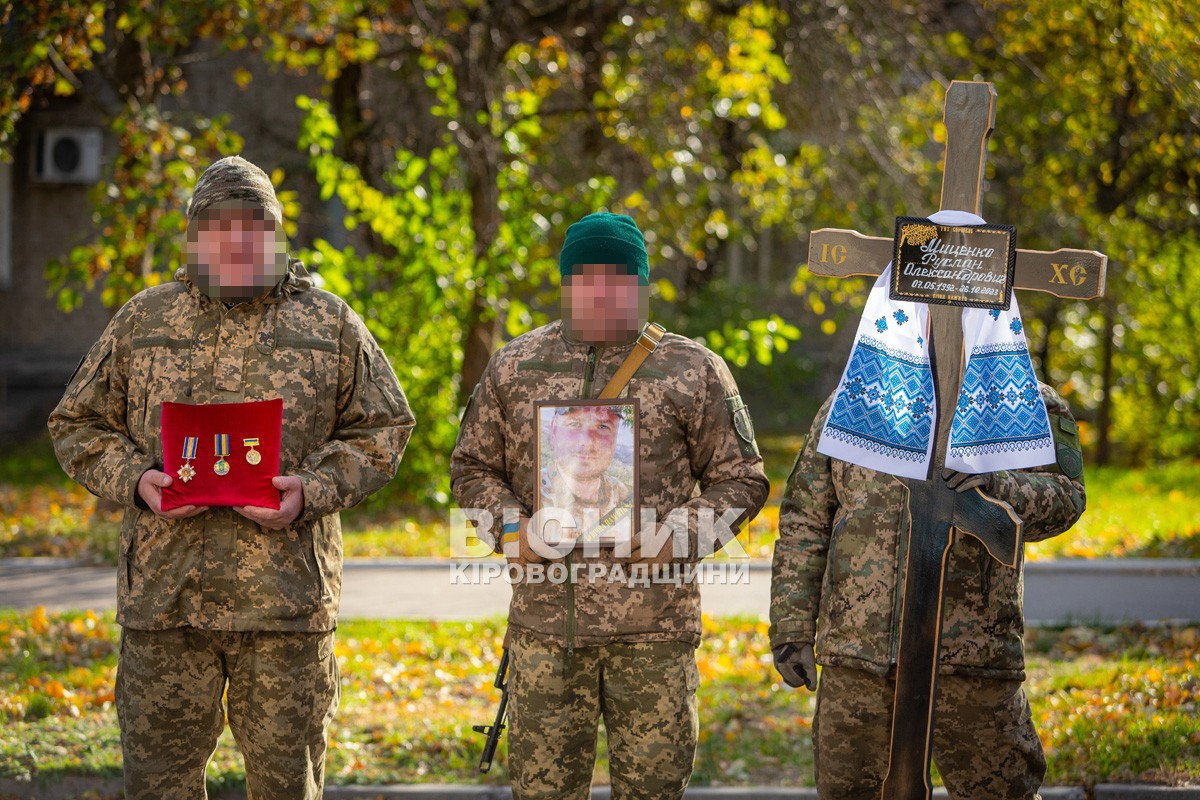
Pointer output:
x,y
1056,592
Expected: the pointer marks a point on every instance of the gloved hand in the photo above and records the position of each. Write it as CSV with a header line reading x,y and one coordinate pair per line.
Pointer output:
x,y
966,481
518,547
796,664
637,555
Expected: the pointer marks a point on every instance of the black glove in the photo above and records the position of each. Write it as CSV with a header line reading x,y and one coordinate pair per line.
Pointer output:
x,y
796,664
966,481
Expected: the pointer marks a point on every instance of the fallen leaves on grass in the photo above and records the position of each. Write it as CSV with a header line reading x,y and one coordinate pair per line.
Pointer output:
x,y
1110,704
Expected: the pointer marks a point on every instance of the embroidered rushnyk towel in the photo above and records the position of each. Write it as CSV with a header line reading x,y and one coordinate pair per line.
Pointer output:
x,y
884,416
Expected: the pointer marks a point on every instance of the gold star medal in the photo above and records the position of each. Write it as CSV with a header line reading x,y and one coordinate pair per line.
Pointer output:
x,y
221,447
252,456
187,472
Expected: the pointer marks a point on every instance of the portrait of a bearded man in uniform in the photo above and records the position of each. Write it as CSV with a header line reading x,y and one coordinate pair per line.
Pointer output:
x,y
586,473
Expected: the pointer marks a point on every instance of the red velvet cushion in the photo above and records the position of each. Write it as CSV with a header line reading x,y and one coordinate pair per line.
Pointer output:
x,y
244,484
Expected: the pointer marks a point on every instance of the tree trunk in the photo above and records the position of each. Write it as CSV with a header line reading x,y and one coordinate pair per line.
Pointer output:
x,y
1104,416
481,152
1049,320
480,335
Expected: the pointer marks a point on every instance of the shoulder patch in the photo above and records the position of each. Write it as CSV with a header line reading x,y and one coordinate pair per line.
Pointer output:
x,y
1068,451
1070,461
743,426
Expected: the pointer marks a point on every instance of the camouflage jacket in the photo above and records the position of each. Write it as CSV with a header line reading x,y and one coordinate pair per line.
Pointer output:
x,y
345,425
837,563
694,431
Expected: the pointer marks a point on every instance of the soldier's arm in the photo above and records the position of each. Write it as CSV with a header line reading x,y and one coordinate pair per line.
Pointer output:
x,y
723,455
89,427
372,428
805,524
478,466
1049,499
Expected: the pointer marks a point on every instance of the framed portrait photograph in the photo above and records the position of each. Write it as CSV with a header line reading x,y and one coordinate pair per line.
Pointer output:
x,y
587,461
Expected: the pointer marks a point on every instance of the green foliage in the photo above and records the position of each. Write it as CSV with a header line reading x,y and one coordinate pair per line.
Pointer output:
x,y
45,44
1098,125
135,52
713,124
140,208
417,293
690,93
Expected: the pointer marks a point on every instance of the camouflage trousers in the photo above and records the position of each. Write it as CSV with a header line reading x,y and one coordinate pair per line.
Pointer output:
x,y
281,692
984,743
646,693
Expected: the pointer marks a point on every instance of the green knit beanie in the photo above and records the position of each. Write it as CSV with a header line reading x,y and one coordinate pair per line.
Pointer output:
x,y
604,238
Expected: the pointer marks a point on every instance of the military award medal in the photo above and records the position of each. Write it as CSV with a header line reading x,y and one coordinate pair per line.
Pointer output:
x,y
253,456
221,446
187,472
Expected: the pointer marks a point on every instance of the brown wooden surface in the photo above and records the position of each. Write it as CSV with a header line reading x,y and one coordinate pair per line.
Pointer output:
x,y
971,114
1067,273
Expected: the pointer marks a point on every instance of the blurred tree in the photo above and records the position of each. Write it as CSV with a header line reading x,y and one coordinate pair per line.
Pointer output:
x,y
459,139
532,115
1098,132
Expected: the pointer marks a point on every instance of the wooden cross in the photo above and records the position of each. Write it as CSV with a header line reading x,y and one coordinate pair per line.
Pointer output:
x,y
935,509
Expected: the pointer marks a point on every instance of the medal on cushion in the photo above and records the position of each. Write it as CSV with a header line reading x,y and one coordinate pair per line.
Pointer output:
x,y
221,447
187,471
253,456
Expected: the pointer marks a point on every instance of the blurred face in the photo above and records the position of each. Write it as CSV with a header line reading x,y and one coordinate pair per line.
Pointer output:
x,y
601,304
584,441
235,251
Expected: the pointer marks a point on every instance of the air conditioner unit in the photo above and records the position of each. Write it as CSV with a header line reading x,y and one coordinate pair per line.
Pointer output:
x,y
68,155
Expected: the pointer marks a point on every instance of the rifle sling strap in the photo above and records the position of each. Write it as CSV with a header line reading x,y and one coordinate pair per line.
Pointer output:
x,y
646,344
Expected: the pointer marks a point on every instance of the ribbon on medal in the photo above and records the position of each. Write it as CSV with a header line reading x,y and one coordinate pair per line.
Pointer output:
x,y
252,455
221,450
187,471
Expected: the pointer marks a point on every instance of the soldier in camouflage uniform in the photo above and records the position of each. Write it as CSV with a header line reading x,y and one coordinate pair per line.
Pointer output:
x,y
836,582
587,648
242,600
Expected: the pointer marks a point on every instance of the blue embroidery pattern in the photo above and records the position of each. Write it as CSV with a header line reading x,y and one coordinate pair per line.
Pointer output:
x,y
995,312
900,316
1000,406
881,324
887,403
1016,326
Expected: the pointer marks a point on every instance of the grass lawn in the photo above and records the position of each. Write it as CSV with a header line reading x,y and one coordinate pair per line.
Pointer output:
x,y
1110,704
1152,512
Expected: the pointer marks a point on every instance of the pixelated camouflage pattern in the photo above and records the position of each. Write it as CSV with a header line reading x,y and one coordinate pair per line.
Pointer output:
x,y
984,744
836,570
282,694
646,692
687,438
345,425
234,178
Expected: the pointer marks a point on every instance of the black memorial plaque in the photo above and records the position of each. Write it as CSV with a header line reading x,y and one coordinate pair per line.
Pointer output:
x,y
955,265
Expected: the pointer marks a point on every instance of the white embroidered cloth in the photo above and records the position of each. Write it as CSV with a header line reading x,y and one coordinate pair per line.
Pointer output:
x,y
884,417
